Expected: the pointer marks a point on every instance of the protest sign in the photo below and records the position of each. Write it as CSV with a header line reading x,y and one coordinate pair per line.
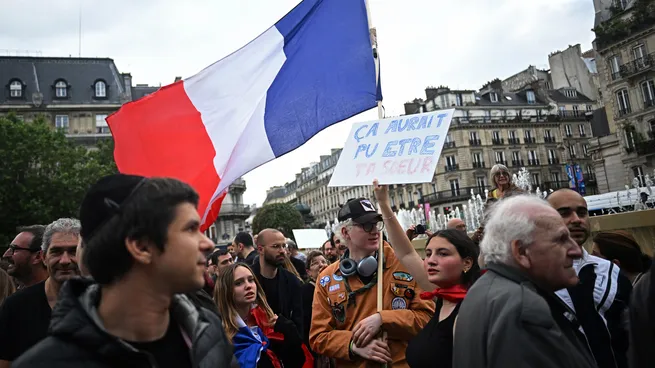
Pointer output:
x,y
310,238
397,150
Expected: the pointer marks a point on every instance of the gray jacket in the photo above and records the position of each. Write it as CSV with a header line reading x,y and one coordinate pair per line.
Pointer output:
x,y
506,321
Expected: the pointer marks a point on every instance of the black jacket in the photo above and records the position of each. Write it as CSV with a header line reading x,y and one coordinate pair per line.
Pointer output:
x,y
78,339
290,296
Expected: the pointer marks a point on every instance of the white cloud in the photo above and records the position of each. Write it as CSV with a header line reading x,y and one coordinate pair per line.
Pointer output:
x,y
461,44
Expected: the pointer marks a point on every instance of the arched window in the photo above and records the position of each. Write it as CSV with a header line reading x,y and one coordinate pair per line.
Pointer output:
x,y
61,89
101,89
16,89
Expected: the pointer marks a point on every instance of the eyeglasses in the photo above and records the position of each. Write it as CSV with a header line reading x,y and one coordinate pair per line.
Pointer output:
x,y
368,227
501,173
13,248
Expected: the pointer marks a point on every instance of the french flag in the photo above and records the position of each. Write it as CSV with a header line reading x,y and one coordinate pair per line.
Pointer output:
x,y
314,68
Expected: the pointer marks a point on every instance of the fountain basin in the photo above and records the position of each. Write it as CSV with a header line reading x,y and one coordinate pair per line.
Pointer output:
x,y
640,223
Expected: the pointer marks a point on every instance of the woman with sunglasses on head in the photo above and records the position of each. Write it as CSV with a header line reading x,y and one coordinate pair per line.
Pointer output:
x,y
501,181
449,269
260,338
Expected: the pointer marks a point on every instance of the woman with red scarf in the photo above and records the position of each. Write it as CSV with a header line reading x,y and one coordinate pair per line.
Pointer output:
x,y
260,338
449,269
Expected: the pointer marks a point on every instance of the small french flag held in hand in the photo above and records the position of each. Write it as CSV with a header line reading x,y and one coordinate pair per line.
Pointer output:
x,y
313,68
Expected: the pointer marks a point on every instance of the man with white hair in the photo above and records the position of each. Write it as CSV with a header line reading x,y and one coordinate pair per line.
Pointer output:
x,y
25,316
511,316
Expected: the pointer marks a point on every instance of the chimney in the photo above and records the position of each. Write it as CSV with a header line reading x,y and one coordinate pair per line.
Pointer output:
x,y
177,79
127,85
430,93
413,107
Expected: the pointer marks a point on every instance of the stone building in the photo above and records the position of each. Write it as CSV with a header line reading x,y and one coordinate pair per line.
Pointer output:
x,y
625,57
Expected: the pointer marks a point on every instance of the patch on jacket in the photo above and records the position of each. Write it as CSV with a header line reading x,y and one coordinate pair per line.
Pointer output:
x,y
398,303
334,287
337,277
402,276
324,280
398,289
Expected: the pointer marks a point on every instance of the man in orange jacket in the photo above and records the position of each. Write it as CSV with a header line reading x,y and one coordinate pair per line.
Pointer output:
x,y
345,321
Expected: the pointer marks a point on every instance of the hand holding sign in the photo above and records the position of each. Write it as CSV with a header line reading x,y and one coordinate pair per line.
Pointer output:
x,y
381,193
395,150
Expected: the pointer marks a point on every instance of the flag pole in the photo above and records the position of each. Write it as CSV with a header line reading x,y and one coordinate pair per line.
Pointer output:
x,y
376,56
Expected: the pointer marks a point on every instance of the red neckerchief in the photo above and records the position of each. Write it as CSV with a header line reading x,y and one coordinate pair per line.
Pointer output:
x,y
453,294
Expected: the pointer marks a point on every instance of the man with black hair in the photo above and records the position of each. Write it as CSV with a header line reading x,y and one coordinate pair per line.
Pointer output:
x,y
220,259
144,249
600,300
25,257
245,249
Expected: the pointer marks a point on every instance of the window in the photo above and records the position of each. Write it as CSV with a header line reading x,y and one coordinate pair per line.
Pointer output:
x,y
554,177
16,89
552,155
572,150
516,156
590,108
624,101
473,135
570,93
567,130
477,157
547,134
535,179
581,130
101,89
615,64
493,96
576,110
530,96
480,181
639,174
61,89
585,149
630,138
512,134
458,99
638,53
450,161
500,157
528,134
448,138
101,124
647,91
532,155
61,122
495,135
454,187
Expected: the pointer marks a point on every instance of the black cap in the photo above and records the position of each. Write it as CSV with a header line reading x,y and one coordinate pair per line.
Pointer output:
x,y
360,210
103,200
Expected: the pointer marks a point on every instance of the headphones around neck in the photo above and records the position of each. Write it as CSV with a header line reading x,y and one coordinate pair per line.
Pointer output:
x,y
366,267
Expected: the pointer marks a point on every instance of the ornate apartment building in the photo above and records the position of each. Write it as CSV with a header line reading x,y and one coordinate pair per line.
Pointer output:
x,y
75,95
625,56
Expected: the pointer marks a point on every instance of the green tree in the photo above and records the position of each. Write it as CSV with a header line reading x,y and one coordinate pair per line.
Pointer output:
x,y
281,216
43,175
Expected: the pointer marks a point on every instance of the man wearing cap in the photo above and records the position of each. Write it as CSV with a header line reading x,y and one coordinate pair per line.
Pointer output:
x,y
345,321
144,249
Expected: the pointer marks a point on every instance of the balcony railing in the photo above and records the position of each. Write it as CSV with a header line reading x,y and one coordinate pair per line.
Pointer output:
x,y
231,209
529,140
589,177
553,161
501,162
532,162
517,163
475,142
514,141
452,195
478,165
649,103
498,141
554,185
646,147
550,140
571,114
238,184
450,144
624,110
635,67
450,168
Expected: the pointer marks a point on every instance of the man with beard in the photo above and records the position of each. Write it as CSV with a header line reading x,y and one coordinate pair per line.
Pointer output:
x,y
330,252
282,288
25,258
601,297
25,316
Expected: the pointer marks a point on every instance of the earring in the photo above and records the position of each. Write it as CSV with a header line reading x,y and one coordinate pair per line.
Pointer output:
x,y
466,270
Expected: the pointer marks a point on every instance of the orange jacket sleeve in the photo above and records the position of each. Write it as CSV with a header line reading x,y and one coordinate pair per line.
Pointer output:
x,y
323,337
403,324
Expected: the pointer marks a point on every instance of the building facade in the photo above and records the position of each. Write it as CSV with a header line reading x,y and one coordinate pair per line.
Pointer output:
x,y
75,96
625,57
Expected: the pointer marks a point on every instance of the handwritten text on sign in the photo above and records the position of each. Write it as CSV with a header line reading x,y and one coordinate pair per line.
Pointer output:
x,y
395,150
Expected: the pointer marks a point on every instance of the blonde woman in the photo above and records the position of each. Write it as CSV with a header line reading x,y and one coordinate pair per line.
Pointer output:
x,y
261,339
501,181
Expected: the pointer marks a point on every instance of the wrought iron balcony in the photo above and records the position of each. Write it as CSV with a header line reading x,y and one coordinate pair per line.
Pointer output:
x,y
450,168
635,67
501,162
571,115
475,142
533,162
498,142
478,165
550,140
450,144
517,163
514,141
452,195
529,140
553,161
646,147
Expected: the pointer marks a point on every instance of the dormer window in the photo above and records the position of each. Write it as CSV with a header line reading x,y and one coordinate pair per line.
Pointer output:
x,y
61,89
493,96
530,97
570,93
16,89
100,88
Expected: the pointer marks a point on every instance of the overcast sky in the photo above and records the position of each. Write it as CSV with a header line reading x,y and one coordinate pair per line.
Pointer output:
x,y
461,44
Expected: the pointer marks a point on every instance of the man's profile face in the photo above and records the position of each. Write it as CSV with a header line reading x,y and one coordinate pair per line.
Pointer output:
x,y
573,209
19,255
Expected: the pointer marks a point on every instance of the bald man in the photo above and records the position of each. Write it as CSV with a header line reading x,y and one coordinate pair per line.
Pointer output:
x,y
602,295
457,224
282,288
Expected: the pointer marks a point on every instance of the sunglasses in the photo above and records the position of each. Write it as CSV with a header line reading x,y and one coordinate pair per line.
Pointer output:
x,y
368,227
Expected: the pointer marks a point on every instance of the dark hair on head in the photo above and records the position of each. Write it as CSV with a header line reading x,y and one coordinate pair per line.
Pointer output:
x,y
37,232
213,258
623,247
466,249
310,257
145,215
332,235
244,238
